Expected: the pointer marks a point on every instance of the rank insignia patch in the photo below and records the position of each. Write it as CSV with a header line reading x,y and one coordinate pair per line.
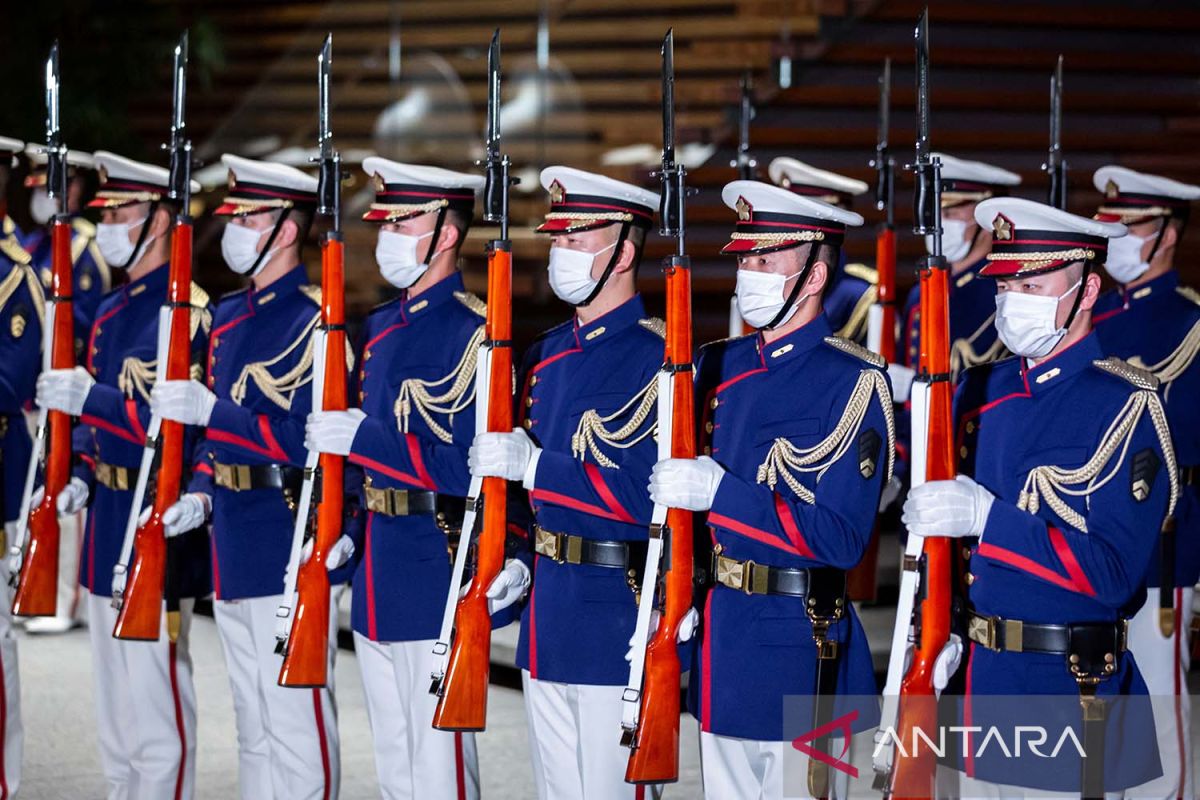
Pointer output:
x,y
868,452
1143,471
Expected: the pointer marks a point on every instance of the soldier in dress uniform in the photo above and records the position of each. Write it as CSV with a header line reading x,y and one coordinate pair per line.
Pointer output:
x,y
798,438
410,434
1153,321
1065,464
852,287
92,280
587,393
22,309
248,473
145,700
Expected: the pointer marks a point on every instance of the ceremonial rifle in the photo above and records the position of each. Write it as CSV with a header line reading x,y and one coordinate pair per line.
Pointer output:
x,y
306,646
146,583
1055,167
36,571
910,703
881,318
462,651
745,162
650,702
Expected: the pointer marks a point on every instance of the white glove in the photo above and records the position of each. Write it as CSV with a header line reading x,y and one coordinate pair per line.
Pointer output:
x,y
503,455
189,402
70,500
185,514
687,629
341,552
891,491
688,483
332,431
118,583
509,586
945,665
902,378
64,390
951,509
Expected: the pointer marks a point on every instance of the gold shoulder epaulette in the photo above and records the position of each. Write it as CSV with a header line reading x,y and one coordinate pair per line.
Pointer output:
x,y
655,326
13,250
472,301
84,227
1189,293
1142,379
312,292
199,297
856,350
862,272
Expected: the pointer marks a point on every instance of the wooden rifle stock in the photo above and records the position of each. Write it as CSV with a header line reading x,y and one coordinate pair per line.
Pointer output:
x,y
654,757
462,705
37,590
141,610
914,771
306,662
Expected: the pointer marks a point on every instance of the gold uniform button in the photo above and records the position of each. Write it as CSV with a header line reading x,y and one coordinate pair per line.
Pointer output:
x,y
970,578
713,405
963,451
966,552
529,402
527,424
971,427
533,380
707,450
708,427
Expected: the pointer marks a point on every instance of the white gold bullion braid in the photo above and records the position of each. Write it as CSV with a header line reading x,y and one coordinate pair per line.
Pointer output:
x,y
279,390
784,458
1048,482
962,351
137,376
796,236
1178,361
592,427
609,216
417,393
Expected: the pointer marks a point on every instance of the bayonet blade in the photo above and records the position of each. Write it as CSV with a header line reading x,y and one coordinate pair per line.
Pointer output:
x,y
1056,111
324,70
668,97
922,37
180,92
885,104
493,119
53,130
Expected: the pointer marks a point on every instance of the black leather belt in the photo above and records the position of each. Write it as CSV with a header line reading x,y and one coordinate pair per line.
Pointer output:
x,y
244,477
567,548
399,502
754,578
1015,636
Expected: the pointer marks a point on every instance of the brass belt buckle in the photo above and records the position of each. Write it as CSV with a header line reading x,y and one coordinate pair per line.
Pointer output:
x,y
982,630
547,543
104,474
399,498
376,500
730,573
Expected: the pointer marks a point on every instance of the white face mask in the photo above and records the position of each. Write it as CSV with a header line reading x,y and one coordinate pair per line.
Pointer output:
x,y
760,296
955,245
571,273
396,254
1028,323
42,207
239,246
1124,262
116,242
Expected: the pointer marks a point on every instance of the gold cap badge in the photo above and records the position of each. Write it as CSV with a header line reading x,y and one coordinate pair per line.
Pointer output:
x,y
1111,189
557,193
1001,228
744,210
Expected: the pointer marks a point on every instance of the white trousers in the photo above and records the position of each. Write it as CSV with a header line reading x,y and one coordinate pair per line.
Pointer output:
x,y
1164,663
287,738
145,708
748,769
412,759
12,732
575,740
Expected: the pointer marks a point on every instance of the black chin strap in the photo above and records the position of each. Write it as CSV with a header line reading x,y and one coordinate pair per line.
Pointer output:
x,y
809,261
1087,270
142,236
437,229
257,265
612,263
1157,240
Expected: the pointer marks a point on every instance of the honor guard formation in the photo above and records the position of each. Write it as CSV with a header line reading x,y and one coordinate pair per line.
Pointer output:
x,y
677,527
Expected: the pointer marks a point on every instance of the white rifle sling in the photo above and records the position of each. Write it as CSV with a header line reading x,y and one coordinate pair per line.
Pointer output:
x,y
441,647
148,450
283,614
16,548
909,585
875,328
631,697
